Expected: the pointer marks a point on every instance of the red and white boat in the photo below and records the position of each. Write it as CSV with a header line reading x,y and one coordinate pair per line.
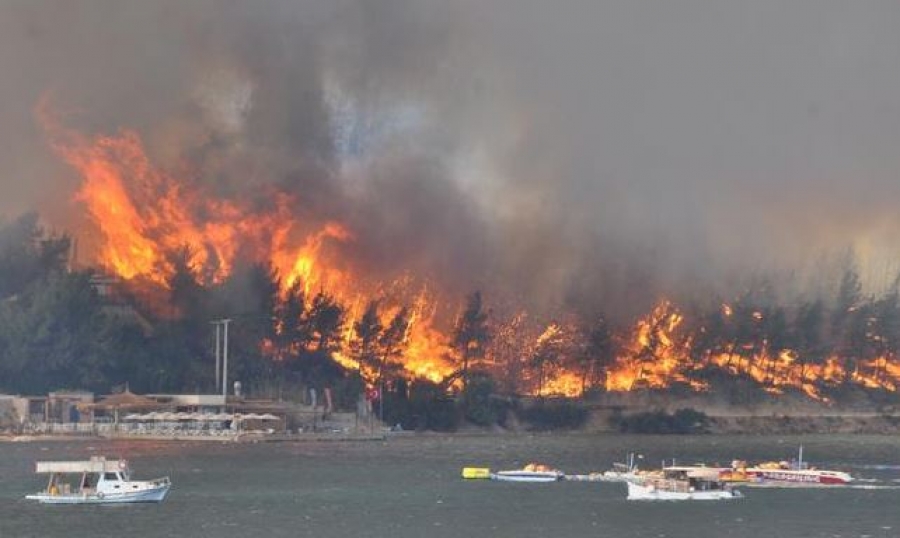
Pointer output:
x,y
784,473
798,476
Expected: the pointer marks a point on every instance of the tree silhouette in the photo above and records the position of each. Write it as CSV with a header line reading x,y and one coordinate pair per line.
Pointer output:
x,y
471,335
392,344
187,296
326,319
808,335
364,347
293,333
597,353
28,254
547,354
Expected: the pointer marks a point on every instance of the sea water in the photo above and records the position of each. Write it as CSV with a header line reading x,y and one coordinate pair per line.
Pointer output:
x,y
410,486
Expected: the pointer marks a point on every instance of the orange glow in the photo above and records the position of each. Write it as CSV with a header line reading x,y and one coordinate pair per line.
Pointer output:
x,y
426,352
145,214
656,356
565,383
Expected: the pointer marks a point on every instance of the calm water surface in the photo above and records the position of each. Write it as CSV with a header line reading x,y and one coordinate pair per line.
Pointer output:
x,y
410,487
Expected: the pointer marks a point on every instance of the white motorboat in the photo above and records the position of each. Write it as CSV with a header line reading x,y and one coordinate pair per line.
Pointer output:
x,y
533,472
96,481
681,484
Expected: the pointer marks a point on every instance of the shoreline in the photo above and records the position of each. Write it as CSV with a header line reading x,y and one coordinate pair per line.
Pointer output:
x,y
237,439
731,423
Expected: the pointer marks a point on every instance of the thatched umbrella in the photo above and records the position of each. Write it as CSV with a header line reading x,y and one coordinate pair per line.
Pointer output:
x,y
126,400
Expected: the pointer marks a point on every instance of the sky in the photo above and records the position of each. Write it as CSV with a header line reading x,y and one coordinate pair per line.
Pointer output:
x,y
569,153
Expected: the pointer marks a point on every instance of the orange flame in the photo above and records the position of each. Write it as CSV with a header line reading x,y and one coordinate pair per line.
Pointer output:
x,y
144,214
656,356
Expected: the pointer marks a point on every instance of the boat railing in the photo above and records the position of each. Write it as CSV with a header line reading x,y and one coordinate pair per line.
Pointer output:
x,y
669,484
159,482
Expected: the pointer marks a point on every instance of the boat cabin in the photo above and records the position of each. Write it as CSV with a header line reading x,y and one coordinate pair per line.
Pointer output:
x,y
691,479
96,476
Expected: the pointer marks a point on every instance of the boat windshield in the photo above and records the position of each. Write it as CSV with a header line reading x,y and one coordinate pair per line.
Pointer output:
x,y
705,485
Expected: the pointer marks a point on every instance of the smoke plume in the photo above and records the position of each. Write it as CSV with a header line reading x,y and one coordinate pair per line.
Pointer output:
x,y
561,155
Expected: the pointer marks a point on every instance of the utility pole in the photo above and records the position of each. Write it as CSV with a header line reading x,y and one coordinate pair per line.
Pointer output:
x,y
223,340
225,360
218,338
381,402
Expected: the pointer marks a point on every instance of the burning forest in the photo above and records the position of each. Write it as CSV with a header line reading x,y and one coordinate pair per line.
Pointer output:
x,y
163,237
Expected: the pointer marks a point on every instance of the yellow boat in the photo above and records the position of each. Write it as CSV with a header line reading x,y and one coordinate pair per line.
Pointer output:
x,y
476,473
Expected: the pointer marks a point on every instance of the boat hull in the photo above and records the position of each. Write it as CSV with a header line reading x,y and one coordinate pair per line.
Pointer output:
x,y
528,476
153,495
643,492
615,476
798,477
761,476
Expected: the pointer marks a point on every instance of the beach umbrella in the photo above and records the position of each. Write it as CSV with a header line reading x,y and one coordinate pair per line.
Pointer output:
x,y
124,400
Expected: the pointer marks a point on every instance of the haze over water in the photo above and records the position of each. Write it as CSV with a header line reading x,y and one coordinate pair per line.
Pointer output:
x,y
411,487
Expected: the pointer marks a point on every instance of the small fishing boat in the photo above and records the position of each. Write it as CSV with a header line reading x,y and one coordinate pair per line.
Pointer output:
x,y
96,481
533,472
681,484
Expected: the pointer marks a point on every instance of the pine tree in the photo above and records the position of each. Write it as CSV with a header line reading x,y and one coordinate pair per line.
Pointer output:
x,y
471,335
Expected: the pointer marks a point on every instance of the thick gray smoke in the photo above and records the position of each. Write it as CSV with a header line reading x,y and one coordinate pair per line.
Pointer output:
x,y
562,154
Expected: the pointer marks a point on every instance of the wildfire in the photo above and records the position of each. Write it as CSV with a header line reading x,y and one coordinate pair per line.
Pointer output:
x,y
656,356
301,265
659,356
144,214
426,353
